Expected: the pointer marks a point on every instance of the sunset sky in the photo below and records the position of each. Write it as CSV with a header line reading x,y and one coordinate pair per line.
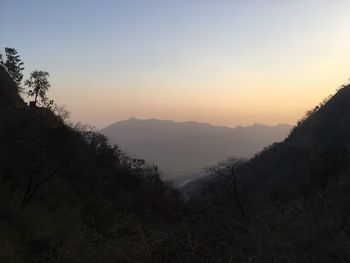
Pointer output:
x,y
223,62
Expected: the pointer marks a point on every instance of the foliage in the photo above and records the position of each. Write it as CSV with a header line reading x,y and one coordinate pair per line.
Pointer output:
x,y
14,65
38,85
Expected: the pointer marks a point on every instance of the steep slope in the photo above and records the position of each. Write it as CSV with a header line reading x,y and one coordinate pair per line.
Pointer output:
x,y
295,194
316,152
186,148
68,196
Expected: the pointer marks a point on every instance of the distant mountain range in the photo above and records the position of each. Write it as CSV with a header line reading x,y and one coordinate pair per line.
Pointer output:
x,y
183,149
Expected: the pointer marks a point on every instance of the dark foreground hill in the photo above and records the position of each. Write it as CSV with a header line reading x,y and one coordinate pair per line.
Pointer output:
x,y
315,153
183,149
67,196
293,197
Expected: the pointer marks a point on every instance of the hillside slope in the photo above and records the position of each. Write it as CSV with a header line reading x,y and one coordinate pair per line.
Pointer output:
x,y
68,196
315,153
290,203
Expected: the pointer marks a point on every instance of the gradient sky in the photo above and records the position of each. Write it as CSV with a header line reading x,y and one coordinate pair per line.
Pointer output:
x,y
223,62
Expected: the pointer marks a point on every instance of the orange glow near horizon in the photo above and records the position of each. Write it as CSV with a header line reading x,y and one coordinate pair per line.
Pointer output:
x,y
230,99
222,62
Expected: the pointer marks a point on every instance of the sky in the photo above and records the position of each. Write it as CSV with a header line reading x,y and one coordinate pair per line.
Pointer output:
x,y
222,62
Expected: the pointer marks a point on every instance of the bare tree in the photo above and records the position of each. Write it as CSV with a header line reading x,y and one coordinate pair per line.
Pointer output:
x,y
224,179
42,168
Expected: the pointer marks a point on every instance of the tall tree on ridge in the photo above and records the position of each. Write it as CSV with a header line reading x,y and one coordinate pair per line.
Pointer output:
x,y
14,65
38,85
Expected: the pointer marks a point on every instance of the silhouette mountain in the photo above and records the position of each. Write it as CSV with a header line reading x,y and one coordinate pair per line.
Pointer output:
x,y
183,149
315,153
66,195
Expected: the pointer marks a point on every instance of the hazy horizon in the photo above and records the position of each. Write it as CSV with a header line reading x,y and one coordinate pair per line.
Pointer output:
x,y
226,63
183,150
198,122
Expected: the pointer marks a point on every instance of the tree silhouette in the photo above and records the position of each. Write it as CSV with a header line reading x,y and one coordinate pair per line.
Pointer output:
x,y
225,178
38,85
14,65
